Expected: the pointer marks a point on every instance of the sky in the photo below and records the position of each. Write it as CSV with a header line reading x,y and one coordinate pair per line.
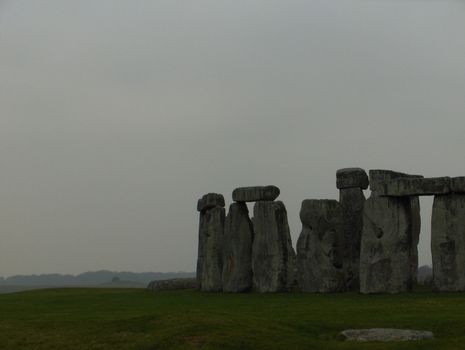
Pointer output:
x,y
116,116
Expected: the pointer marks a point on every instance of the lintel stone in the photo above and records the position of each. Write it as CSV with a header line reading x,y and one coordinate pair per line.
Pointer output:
x,y
255,193
379,177
457,184
404,187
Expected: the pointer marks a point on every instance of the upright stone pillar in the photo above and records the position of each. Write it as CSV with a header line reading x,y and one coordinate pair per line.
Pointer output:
x,y
237,250
273,258
416,228
211,227
385,260
391,226
448,241
351,182
320,247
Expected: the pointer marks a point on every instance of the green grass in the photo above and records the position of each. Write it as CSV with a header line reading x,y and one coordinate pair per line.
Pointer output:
x,y
136,319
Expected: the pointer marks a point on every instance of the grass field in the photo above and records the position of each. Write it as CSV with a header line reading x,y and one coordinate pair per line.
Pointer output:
x,y
136,319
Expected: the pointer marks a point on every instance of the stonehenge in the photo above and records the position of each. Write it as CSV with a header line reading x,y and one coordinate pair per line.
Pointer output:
x,y
353,244
237,254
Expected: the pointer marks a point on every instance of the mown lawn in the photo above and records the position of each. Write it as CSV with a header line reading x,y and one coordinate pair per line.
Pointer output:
x,y
136,319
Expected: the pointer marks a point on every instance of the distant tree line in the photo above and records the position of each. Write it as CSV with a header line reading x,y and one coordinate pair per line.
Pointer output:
x,y
90,278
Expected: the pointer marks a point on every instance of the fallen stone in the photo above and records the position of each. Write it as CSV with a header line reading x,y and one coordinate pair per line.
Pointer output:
x,y
319,248
448,243
210,253
404,187
172,284
351,177
273,257
352,201
209,201
255,194
386,246
457,184
385,335
379,178
237,250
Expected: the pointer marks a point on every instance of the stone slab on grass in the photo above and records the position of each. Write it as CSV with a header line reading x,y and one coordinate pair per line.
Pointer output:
x,y
385,335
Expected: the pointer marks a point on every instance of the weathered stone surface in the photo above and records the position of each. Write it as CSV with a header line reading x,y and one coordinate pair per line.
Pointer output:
x,y
385,335
416,228
378,178
273,258
210,259
386,248
352,201
172,284
351,177
237,250
209,201
457,184
448,242
404,187
255,194
319,248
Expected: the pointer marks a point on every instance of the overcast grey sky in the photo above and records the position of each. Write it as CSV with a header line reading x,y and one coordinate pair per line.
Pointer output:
x,y
115,116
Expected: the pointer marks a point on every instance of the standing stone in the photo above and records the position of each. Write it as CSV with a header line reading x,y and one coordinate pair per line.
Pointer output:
x,y
386,249
319,248
416,228
237,250
379,181
352,201
209,262
273,258
351,182
448,243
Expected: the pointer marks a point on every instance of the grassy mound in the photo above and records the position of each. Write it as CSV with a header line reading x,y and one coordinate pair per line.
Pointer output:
x,y
136,319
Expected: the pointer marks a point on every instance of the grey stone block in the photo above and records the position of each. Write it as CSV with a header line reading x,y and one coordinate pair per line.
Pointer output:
x,y
255,194
172,284
351,177
416,229
378,178
273,257
209,201
385,335
386,247
457,184
210,252
237,250
319,248
352,201
404,187
448,243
